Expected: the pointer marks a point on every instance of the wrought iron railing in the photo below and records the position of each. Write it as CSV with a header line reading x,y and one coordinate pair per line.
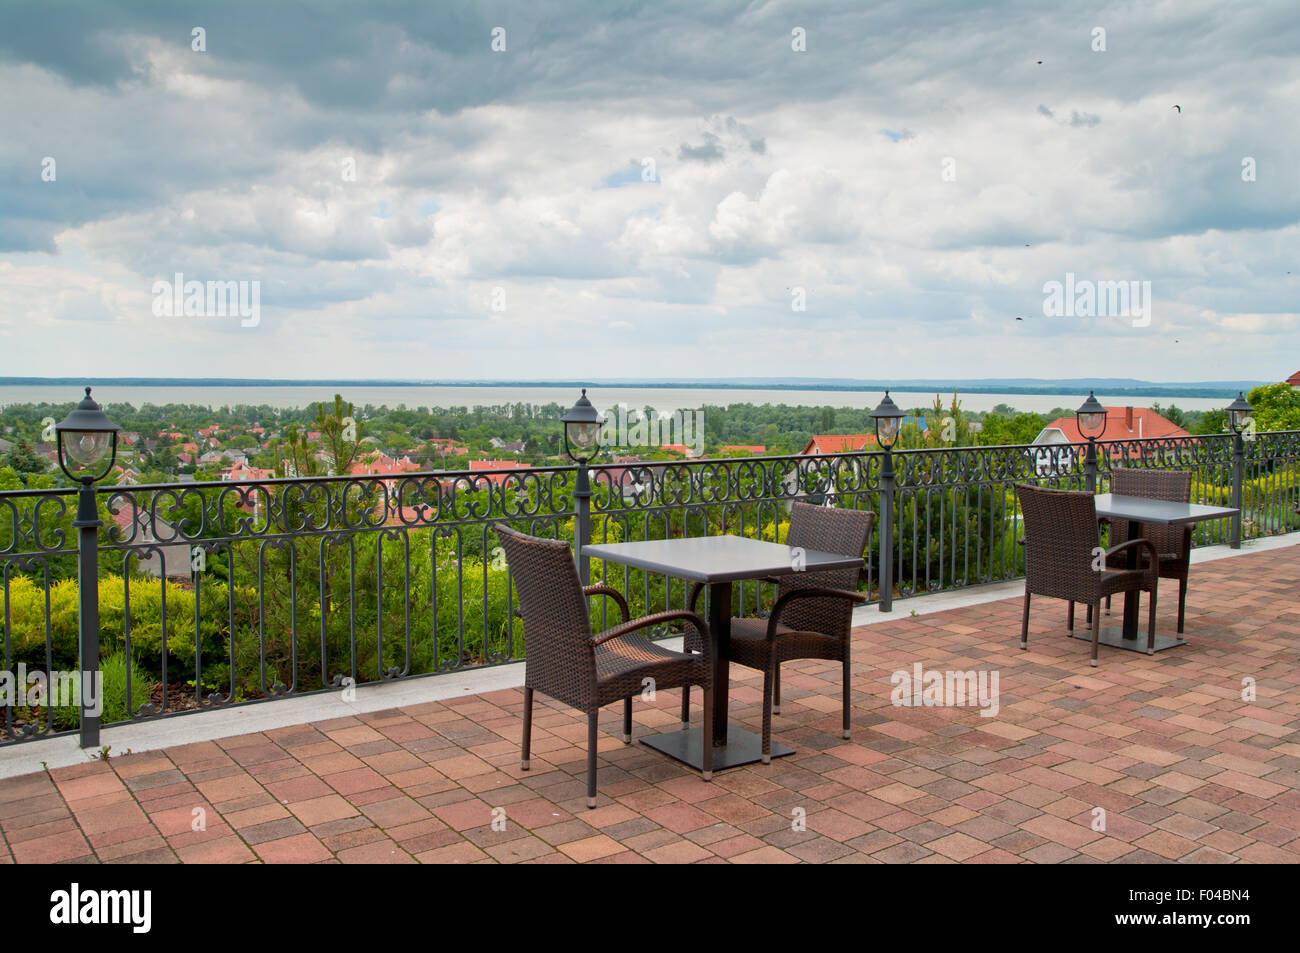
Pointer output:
x,y
219,594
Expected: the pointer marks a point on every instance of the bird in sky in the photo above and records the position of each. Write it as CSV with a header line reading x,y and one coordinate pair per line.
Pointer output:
x,y
1020,319
1178,107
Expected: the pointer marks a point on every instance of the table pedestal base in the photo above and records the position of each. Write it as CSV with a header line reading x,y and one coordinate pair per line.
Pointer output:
x,y
1114,637
742,747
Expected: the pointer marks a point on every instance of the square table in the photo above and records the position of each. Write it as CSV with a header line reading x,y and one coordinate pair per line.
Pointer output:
x,y
718,561
1138,510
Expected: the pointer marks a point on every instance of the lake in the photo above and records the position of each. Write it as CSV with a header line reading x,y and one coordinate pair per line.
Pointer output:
x,y
666,399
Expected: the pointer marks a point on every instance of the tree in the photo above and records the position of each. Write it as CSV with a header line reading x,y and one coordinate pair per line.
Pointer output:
x,y
338,448
1277,406
23,459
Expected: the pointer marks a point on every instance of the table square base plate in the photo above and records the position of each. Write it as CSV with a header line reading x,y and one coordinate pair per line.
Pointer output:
x,y
742,747
1114,637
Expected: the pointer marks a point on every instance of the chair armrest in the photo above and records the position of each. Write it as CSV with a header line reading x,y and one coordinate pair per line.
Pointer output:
x,y
603,590
646,621
808,593
693,596
1150,546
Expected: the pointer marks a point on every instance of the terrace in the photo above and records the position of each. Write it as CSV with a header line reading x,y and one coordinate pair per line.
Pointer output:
x,y
353,691
1182,767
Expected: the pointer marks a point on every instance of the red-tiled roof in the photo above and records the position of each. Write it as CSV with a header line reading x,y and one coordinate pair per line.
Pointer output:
x,y
838,442
241,471
381,464
681,448
497,465
1123,423
1294,379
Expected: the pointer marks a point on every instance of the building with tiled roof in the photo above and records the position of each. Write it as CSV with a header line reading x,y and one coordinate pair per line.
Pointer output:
x,y
838,443
1122,423
241,472
480,465
1294,379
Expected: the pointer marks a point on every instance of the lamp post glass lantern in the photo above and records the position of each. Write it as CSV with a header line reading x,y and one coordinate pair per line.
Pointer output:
x,y
1091,420
889,422
582,425
85,437
1239,412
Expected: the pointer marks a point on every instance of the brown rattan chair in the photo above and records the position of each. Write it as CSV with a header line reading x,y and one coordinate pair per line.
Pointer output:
x,y
1064,558
1173,543
812,615
567,662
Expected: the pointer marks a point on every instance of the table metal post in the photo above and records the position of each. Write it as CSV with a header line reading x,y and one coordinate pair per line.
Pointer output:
x,y
720,630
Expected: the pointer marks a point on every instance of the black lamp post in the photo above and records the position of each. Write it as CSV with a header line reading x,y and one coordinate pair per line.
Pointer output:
x,y
582,426
1091,420
889,422
1239,412
85,436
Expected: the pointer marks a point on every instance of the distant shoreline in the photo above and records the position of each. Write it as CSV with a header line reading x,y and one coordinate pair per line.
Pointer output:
x,y
1122,388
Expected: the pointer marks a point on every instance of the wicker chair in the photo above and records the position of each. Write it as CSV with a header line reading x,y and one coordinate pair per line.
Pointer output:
x,y
567,662
812,615
1062,543
1174,543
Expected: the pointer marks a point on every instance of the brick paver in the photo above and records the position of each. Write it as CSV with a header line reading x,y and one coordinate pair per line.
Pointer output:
x,y
1141,760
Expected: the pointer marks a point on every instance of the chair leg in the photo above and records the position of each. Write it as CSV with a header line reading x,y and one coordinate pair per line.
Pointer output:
x,y
1024,624
1108,605
686,707
525,761
707,770
593,717
1069,619
627,720
846,694
776,690
1096,633
1088,618
1151,625
767,711
1182,602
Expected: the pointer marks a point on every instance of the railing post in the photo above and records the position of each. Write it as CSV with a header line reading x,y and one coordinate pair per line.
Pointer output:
x,y
87,525
887,532
582,523
1238,476
1090,466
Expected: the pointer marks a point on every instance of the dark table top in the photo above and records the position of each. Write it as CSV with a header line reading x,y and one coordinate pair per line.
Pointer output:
x,y
716,558
1141,510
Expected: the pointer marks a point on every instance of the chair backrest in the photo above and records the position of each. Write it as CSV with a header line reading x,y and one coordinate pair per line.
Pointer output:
x,y
1061,535
1173,485
844,532
557,628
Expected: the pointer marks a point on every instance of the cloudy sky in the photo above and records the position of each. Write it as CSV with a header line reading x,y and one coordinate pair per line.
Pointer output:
x,y
650,190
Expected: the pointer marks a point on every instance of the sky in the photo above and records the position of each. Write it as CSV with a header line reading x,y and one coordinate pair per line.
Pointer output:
x,y
562,189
